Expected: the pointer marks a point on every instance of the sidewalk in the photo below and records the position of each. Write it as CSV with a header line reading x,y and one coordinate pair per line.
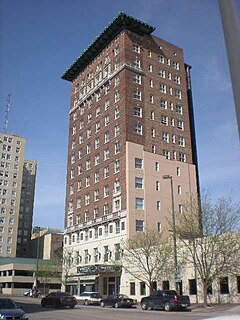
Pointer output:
x,y
221,307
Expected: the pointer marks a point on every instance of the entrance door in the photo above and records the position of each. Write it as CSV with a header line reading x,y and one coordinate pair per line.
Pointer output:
x,y
111,288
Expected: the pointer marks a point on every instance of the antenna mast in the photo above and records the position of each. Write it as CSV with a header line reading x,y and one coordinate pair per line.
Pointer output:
x,y
7,112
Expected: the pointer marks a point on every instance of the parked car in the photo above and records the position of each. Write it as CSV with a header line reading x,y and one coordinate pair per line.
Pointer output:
x,y
165,299
89,298
59,299
117,300
9,310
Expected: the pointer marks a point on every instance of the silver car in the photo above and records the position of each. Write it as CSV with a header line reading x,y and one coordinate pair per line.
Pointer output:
x,y
88,298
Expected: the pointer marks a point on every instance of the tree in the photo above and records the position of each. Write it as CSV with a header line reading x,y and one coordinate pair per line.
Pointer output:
x,y
210,238
67,259
148,257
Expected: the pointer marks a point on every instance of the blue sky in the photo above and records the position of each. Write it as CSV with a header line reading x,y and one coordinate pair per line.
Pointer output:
x,y
40,39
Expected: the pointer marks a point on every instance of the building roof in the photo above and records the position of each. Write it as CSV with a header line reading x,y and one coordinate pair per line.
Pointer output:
x,y
122,21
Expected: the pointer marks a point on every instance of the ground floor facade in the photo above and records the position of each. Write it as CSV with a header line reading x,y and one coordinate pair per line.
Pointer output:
x,y
18,275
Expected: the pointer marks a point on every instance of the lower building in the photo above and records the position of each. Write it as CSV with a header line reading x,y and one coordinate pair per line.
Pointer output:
x,y
19,275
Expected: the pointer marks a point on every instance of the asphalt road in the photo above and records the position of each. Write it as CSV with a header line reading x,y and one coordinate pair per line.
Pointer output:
x,y
37,312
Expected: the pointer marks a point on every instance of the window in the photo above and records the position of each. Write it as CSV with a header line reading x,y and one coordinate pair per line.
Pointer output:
x,y
178,171
106,120
79,203
95,213
151,100
139,225
88,165
165,137
159,227
150,68
136,64
149,53
138,112
87,180
98,111
89,133
88,149
163,88
180,208
117,148
175,65
138,129
173,138
152,115
138,163
117,130
116,81
163,104
153,148
81,139
87,199
132,289
106,172
80,154
106,191
97,126
178,94
106,209
180,124
96,177
150,83
96,195
161,59
117,112
172,122
107,105
162,73
89,117
117,96
117,186
106,154
178,109
136,48
106,137
138,183
137,95
224,287
137,78
97,143
166,153
179,189
158,205
79,185
97,159
181,141
165,120
157,185
139,203
117,166
157,166
182,157
153,132
192,286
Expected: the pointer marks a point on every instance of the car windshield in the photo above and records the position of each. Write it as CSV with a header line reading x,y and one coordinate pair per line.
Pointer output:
x,y
7,304
95,295
85,294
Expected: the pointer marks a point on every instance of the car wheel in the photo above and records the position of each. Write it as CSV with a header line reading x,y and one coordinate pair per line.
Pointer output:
x,y
167,307
102,304
86,302
144,305
43,304
116,305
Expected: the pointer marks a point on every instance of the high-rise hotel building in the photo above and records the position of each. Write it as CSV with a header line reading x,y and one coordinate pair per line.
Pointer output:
x,y
17,185
131,123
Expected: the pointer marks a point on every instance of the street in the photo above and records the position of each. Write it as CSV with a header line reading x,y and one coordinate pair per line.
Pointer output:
x,y
37,312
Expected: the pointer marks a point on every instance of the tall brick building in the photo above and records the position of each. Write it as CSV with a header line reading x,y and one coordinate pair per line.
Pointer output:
x,y
131,122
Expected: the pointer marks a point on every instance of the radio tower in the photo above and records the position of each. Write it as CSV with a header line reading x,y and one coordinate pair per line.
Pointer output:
x,y
7,113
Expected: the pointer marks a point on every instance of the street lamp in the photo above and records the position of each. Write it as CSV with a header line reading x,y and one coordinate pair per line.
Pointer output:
x,y
166,177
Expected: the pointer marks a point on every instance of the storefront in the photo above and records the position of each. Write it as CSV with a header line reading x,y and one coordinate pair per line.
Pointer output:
x,y
100,278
